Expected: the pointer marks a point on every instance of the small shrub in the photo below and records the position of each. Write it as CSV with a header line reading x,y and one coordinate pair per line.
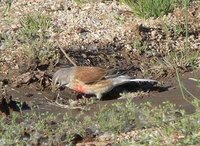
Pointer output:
x,y
33,37
117,117
34,27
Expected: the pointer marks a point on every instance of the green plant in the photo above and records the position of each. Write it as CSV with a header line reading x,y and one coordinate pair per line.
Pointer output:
x,y
189,125
11,131
162,120
184,59
141,47
73,125
8,7
151,8
127,143
149,116
183,89
117,117
178,30
119,18
79,2
34,27
33,37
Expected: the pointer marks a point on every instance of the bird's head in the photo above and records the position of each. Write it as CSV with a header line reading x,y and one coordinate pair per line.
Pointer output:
x,y
61,78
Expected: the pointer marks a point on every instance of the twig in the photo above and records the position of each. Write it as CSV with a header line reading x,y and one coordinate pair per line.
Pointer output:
x,y
193,79
68,58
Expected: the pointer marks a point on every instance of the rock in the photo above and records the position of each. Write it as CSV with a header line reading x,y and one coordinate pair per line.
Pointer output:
x,y
105,137
92,131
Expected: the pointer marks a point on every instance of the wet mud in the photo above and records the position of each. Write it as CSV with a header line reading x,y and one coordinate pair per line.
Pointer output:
x,y
40,101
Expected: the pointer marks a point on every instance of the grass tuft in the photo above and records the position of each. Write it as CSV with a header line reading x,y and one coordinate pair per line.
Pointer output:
x,y
152,8
34,27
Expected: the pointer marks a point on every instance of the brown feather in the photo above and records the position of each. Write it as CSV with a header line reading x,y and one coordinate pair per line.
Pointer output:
x,y
89,75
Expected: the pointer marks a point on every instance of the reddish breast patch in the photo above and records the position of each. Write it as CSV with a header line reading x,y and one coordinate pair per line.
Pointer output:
x,y
80,88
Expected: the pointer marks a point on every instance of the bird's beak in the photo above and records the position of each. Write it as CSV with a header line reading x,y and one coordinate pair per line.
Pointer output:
x,y
67,85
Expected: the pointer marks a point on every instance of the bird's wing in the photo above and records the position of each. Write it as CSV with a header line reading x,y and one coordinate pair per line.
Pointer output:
x,y
90,74
113,73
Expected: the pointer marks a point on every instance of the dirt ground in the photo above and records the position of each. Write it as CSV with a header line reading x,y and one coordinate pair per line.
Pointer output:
x,y
169,90
109,37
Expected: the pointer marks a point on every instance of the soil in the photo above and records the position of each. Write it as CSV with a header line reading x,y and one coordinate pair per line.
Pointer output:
x,y
28,80
33,98
35,94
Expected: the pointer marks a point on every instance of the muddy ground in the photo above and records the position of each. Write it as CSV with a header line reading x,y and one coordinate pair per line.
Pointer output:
x,y
38,95
109,37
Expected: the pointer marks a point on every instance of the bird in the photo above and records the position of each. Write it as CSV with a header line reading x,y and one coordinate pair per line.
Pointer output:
x,y
91,79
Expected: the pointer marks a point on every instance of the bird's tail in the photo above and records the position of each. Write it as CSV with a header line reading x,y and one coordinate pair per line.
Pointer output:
x,y
126,79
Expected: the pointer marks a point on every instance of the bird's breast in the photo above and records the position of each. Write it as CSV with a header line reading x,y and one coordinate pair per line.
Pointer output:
x,y
98,87
80,88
